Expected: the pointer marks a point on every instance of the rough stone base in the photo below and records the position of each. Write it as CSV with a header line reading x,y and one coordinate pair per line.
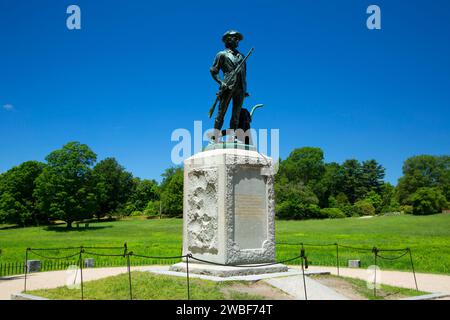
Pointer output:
x,y
227,271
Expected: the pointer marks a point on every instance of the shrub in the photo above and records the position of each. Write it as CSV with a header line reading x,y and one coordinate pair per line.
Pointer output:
x,y
310,211
136,213
332,213
295,201
406,209
364,208
350,211
152,208
427,201
375,199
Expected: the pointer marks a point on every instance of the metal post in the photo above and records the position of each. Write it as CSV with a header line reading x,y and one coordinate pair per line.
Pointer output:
x,y
187,275
26,269
302,256
337,258
129,274
412,266
81,272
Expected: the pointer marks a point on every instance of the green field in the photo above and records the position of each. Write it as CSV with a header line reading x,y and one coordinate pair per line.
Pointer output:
x,y
427,236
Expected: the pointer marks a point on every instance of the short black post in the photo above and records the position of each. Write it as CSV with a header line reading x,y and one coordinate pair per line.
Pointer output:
x,y
81,272
26,269
125,249
302,256
337,258
412,266
129,274
187,275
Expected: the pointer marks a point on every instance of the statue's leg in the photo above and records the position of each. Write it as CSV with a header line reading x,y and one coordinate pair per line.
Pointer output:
x,y
223,106
238,100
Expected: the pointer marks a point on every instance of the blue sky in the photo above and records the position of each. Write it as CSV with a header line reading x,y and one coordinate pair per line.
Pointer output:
x,y
137,70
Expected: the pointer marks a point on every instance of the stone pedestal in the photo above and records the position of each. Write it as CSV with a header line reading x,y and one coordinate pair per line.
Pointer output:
x,y
228,209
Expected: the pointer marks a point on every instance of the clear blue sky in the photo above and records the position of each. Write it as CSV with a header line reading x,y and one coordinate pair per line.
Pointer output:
x,y
137,70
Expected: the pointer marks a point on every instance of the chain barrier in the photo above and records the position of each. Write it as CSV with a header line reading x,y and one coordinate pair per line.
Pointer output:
x,y
128,254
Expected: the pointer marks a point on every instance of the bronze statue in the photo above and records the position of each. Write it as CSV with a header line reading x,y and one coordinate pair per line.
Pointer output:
x,y
234,84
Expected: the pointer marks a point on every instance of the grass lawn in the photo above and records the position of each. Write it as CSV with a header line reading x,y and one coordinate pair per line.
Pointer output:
x,y
147,286
427,236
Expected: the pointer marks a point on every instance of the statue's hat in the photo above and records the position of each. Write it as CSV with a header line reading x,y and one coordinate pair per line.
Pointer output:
x,y
232,33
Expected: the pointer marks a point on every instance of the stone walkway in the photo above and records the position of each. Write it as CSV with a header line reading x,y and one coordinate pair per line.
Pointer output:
x,y
54,279
294,286
426,282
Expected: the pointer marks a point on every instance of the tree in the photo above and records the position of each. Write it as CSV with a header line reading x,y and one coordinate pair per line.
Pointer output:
x,y
113,186
353,180
373,175
65,187
389,201
303,165
329,184
17,204
172,192
296,201
424,171
427,201
143,192
375,199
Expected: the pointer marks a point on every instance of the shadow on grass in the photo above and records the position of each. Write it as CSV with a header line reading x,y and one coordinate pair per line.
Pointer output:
x,y
75,229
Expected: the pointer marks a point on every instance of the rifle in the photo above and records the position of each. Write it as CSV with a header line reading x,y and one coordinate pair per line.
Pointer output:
x,y
233,74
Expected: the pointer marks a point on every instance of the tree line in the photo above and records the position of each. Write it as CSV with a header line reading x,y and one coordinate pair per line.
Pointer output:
x,y
72,186
307,187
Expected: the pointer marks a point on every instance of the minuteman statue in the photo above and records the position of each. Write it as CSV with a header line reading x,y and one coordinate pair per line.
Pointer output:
x,y
233,86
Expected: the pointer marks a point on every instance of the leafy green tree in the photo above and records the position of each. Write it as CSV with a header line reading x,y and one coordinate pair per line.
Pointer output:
x,y
153,208
389,201
329,184
172,192
424,171
296,201
113,186
303,165
143,192
375,199
17,204
427,201
65,188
